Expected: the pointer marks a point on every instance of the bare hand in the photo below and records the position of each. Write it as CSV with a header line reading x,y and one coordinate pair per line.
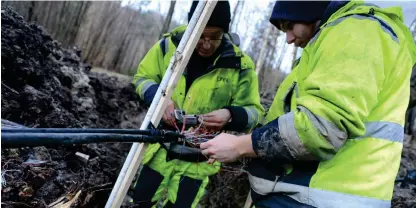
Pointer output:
x,y
224,148
211,161
216,120
168,116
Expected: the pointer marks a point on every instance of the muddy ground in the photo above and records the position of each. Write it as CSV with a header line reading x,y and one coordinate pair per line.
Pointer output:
x,y
45,85
405,193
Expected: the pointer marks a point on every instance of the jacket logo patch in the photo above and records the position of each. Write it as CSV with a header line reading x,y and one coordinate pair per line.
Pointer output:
x,y
219,79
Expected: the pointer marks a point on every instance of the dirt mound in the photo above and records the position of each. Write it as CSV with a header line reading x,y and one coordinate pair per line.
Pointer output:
x,y
45,85
405,193
267,99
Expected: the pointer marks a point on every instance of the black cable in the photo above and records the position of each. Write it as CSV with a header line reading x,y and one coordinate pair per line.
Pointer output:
x,y
79,130
21,139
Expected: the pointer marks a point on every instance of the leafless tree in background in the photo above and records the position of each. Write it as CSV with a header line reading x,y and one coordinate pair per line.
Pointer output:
x,y
236,12
166,25
264,49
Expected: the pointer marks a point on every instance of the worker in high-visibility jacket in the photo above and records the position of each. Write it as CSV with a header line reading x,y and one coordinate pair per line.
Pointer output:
x,y
334,134
219,83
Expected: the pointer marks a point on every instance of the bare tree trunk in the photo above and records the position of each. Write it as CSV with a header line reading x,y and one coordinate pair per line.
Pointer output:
x,y
263,52
295,50
267,81
166,25
235,13
274,46
237,17
282,54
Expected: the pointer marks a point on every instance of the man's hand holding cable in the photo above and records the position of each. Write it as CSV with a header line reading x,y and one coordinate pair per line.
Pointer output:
x,y
228,148
168,116
216,120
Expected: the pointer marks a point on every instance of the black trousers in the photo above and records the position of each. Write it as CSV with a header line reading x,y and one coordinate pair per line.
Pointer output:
x,y
149,181
277,200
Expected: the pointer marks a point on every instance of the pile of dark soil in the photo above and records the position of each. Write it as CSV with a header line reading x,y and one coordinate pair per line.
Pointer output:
x,y
267,99
405,192
45,85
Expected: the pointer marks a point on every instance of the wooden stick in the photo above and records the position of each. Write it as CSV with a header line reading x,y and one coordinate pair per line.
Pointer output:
x,y
179,60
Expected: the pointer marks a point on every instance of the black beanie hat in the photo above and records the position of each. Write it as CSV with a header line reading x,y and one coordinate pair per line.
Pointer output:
x,y
298,11
220,17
